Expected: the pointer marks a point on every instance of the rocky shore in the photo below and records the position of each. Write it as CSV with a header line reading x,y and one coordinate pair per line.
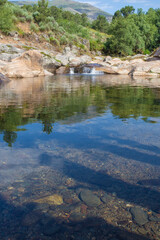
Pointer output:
x,y
23,61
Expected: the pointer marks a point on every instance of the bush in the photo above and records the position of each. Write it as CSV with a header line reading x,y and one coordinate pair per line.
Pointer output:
x,y
63,40
54,41
29,18
96,46
33,27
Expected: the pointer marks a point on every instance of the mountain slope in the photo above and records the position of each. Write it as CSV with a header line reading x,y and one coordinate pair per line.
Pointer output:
x,y
73,6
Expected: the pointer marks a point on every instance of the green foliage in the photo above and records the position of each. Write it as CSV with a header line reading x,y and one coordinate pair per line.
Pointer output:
x,y
133,33
42,11
54,41
63,40
6,17
34,27
101,24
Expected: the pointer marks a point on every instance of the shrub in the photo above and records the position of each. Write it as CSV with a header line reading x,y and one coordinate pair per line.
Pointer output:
x,y
29,18
34,27
63,40
54,41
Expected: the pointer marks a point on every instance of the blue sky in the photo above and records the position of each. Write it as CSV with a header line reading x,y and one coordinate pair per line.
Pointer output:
x,y
113,5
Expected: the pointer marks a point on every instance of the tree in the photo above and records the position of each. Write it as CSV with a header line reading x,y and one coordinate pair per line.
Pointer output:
x,y
42,11
126,38
127,10
117,14
84,21
101,24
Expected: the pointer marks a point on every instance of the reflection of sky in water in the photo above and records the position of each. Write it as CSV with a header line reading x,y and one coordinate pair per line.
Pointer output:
x,y
97,140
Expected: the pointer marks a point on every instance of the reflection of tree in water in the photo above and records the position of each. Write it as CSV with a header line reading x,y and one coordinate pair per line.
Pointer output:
x,y
9,137
124,102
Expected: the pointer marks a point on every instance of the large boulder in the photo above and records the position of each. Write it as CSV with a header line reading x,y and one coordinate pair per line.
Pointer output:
x,y
29,64
147,69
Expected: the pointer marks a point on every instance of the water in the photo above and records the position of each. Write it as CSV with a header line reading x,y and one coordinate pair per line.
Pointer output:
x,y
87,71
65,134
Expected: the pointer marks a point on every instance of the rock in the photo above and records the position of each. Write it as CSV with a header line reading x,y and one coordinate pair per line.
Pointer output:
x,y
61,70
13,34
89,198
107,59
138,56
51,228
157,53
66,50
7,57
99,58
75,50
29,64
135,67
54,199
77,61
76,216
154,217
106,198
139,215
31,219
107,69
147,68
10,49
50,64
63,59
3,78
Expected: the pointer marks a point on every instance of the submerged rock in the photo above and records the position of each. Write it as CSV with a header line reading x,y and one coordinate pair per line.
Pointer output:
x,y
139,215
51,228
54,199
89,198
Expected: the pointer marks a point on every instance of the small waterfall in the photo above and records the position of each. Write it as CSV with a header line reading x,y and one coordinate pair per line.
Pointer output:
x,y
71,71
91,71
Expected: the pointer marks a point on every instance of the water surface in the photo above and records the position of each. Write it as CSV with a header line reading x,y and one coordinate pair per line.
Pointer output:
x,y
64,134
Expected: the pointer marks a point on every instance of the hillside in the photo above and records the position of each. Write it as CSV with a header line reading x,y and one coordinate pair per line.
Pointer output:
x,y
73,6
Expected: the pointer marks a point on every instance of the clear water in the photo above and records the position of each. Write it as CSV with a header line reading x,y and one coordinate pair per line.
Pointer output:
x,y
64,134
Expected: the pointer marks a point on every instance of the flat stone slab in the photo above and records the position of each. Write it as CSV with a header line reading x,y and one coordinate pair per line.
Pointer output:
x,y
89,198
139,215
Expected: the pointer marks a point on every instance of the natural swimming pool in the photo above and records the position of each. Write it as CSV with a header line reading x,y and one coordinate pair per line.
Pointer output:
x,y
80,158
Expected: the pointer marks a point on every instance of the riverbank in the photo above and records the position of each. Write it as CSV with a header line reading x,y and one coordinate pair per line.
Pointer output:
x,y
43,62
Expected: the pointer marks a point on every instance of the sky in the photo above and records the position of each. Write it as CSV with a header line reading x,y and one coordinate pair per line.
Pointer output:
x,y
113,5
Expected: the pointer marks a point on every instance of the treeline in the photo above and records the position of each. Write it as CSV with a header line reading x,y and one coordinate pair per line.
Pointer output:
x,y
129,32
133,32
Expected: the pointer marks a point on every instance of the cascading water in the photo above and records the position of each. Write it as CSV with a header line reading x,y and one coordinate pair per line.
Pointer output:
x,y
86,71
71,71
91,71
